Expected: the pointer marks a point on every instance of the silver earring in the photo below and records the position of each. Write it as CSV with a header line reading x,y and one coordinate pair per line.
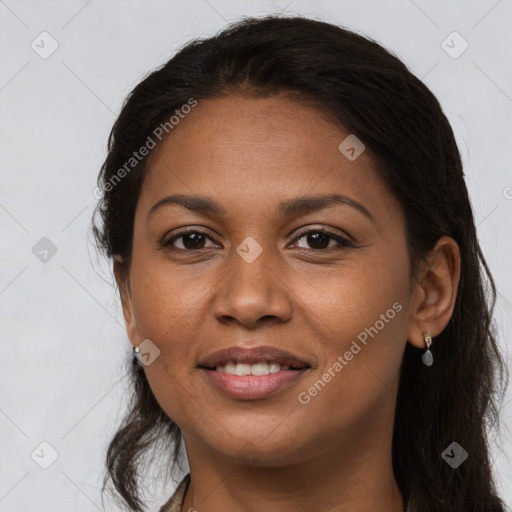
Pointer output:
x,y
136,357
427,357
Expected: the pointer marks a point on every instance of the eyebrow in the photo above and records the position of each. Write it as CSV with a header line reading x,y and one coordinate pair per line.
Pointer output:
x,y
290,208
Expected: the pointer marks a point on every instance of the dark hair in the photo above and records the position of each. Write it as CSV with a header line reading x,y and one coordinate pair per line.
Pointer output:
x,y
372,94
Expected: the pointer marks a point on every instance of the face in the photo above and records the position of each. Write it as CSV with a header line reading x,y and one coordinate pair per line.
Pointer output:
x,y
327,282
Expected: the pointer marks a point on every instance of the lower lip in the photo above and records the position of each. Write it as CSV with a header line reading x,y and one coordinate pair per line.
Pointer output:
x,y
252,387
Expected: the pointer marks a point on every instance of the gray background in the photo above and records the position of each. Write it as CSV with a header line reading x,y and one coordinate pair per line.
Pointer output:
x,y
63,335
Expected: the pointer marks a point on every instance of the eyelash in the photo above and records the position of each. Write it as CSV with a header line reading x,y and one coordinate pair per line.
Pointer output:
x,y
343,242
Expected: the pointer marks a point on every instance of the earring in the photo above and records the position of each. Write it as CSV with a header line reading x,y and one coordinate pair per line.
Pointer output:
x,y
427,357
136,357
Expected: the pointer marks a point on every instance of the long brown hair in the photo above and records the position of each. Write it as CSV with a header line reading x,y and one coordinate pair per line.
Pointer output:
x,y
371,93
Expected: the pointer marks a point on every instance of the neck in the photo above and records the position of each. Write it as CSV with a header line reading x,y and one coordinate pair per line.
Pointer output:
x,y
344,479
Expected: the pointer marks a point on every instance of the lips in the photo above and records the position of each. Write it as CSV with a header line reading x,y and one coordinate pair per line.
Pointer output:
x,y
250,356
251,387
244,373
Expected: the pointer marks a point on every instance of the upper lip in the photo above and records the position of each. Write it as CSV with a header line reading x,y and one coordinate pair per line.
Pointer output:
x,y
261,354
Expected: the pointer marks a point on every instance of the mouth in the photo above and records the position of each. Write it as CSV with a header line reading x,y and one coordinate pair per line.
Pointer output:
x,y
253,373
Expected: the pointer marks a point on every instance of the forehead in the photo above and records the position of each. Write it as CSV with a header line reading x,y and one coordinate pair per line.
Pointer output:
x,y
258,149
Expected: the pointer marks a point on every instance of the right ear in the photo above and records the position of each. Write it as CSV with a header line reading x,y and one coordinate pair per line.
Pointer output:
x,y
122,277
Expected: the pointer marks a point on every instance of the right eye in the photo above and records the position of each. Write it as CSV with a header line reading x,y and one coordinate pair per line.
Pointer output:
x,y
191,240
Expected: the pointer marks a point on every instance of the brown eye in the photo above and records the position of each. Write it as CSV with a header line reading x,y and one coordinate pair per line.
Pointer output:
x,y
190,240
319,239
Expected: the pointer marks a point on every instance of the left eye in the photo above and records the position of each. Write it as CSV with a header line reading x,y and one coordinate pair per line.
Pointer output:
x,y
320,239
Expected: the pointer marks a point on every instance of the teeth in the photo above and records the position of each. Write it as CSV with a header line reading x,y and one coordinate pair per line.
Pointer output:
x,y
259,369
243,369
274,367
230,368
251,369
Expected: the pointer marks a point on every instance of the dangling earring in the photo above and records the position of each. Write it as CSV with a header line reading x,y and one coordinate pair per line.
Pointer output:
x,y
427,357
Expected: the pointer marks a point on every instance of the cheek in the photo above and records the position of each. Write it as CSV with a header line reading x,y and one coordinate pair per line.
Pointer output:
x,y
347,301
166,313
360,317
166,300
169,306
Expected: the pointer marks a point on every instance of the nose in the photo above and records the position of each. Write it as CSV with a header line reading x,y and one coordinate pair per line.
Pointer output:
x,y
253,292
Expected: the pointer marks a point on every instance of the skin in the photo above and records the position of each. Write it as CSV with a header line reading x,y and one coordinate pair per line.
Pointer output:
x,y
277,454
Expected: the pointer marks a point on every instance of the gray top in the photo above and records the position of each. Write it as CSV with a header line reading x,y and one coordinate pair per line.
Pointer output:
x,y
176,500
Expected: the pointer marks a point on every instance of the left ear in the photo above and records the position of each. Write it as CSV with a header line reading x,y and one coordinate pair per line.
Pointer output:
x,y
433,296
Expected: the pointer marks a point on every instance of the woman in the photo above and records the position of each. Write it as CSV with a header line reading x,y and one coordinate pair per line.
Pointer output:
x,y
301,281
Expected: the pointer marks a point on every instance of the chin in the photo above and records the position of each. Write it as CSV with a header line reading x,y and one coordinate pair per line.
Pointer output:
x,y
268,453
